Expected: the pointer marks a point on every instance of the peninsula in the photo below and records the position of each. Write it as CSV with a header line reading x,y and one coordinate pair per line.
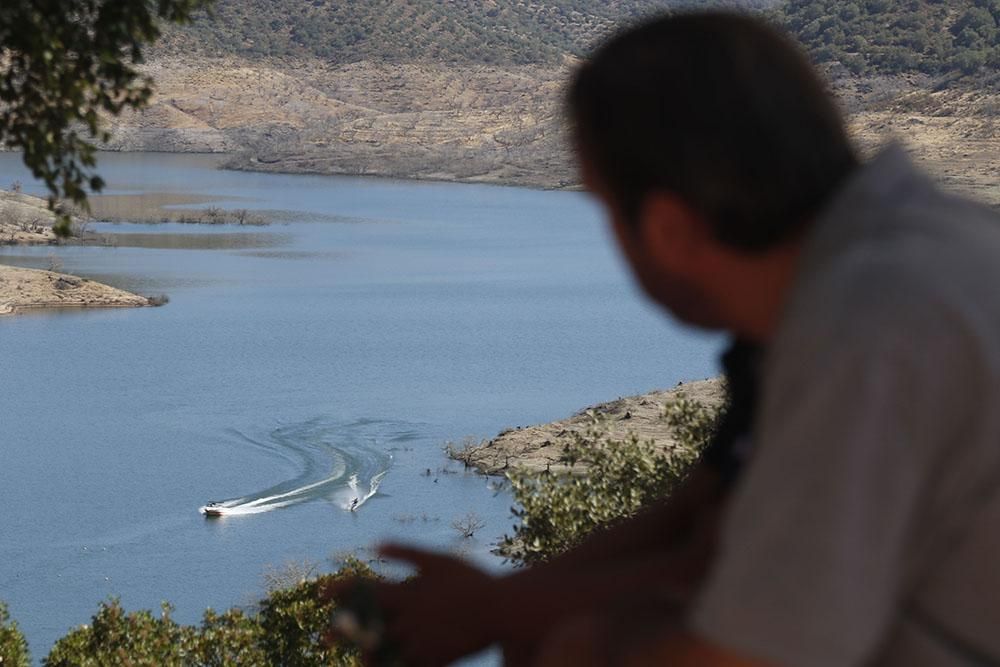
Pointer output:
x,y
540,447
25,220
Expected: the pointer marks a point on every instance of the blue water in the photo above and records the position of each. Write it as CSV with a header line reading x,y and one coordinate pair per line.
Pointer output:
x,y
316,361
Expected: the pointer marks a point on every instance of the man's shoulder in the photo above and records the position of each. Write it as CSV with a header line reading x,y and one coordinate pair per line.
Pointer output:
x,y
895,220
903,253
908,288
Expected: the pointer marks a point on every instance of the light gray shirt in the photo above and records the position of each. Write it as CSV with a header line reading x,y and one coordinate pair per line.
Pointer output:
x,y
866,527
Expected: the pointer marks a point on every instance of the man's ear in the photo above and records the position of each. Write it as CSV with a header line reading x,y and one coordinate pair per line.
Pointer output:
x,y
672,231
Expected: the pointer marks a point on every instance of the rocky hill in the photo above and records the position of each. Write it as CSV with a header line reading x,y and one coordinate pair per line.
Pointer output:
x,y
471,90
887,36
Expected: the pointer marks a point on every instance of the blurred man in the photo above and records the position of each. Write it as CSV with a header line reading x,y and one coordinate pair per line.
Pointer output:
x,y
863,525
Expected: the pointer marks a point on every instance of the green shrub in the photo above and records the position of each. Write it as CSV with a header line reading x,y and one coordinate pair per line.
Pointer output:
x,y
292,622
894,36
609,481
13,647
119,638
227,640
287,630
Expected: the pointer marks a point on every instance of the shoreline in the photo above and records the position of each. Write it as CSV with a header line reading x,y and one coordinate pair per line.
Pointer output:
x,y
539,447
498,182
240,163
36,289
968,180
26,221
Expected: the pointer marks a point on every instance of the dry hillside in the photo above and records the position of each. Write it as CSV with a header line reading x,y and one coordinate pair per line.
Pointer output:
x,y
471,90
489,123
477,122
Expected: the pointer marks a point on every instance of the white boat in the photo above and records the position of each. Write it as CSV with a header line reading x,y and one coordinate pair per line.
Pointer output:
x,y
212,509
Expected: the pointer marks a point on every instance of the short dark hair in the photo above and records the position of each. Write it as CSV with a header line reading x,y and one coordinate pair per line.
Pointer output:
x,y
719,108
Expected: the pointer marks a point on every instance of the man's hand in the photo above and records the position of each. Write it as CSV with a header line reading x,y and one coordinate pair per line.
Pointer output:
x,y
440,614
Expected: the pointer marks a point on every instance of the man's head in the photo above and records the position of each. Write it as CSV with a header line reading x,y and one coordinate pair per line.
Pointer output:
x,y
716,122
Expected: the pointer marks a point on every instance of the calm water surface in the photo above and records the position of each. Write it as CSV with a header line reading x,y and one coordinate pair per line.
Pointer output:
x,y
297,367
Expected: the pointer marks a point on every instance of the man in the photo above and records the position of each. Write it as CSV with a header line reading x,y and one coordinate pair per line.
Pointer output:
x,y
864,524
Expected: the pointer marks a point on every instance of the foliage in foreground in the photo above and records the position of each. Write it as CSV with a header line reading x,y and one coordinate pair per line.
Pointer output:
x,y
13,647
610,480
63,65
287,629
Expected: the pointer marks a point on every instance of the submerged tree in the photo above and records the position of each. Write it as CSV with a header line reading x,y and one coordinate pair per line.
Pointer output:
x,y
64,63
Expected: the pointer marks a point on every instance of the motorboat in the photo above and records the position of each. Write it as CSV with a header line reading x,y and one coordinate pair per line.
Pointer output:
x,y
213,509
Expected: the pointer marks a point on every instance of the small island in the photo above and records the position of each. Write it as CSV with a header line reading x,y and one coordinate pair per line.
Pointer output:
x,y
26,220
32,289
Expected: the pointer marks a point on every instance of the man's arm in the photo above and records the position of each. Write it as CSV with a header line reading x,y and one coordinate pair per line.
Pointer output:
x,y
666,548
659,527
450,608
684,649
635,639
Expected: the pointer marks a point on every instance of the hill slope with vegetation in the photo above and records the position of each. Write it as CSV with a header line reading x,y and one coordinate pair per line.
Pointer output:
x,y
930,36
472,90
892,36
493,32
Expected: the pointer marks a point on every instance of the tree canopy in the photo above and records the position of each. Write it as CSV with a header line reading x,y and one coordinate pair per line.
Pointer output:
x,y
62,64
470,32
892,36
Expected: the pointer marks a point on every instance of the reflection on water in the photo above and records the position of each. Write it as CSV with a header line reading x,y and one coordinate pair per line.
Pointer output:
x,y
289,216
149,284
23,261
292,254
182,241
144,207
209,209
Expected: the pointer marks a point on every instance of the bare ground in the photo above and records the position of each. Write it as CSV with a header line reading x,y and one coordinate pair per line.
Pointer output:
x,y
432,121
488,123
953,132
28,289
540,447
26,220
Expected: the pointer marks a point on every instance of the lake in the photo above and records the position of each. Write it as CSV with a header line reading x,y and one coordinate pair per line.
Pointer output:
x,y
300,366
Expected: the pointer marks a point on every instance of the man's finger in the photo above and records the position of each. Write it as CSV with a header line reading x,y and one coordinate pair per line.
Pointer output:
x,y
422,559
336,588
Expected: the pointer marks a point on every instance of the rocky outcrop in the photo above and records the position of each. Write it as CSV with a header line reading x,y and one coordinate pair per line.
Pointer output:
x,y
540,447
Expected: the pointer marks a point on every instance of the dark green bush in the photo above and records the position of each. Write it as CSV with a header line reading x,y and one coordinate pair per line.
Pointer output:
x,y
13,647
286,630
292,622
118,638
227,640
898,35
611,480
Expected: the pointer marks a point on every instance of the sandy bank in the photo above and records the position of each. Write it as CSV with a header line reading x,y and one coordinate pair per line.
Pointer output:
x,y
25,289
539,447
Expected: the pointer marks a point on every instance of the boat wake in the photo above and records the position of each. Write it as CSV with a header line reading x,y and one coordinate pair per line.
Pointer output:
x,y
340,462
